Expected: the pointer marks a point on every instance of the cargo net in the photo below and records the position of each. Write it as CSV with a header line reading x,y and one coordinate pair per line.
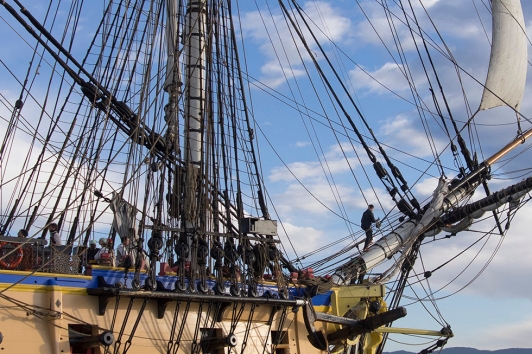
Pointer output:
x,y
14,256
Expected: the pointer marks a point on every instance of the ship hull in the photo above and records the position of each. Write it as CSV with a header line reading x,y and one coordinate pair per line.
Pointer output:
x,y
54,313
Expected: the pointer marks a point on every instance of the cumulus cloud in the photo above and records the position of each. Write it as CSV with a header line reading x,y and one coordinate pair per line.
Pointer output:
x,y
337,159
390,77
314,198
304,239
301,170
403,132
514,335
482,268
425,187
302,143
284,58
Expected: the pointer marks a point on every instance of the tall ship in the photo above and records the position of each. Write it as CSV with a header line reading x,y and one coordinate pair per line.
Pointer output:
x,y
136,216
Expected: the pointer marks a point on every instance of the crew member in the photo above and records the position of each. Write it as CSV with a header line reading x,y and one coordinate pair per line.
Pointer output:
x,y
55,239
367,219
92,251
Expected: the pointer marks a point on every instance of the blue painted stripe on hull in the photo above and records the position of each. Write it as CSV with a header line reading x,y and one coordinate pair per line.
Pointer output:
x,y
112,276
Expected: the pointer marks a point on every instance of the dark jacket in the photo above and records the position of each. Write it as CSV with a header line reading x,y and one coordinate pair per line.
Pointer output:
x,y
91,252
367,219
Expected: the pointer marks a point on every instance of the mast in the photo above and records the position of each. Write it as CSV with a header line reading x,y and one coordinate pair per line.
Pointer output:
x,y
194,105
173,82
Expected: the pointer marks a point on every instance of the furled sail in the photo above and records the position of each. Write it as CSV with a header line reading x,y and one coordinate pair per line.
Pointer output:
x,y
505,83
124,216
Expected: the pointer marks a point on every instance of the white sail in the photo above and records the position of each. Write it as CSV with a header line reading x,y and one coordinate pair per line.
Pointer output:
x,y
505,83
124,216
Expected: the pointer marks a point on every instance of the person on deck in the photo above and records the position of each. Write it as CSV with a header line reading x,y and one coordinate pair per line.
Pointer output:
x,y
367,219
55,239
125,254
105,255
27,252
92,250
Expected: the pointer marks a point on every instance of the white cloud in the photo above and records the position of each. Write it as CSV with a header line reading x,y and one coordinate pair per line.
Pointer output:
x,y
283,61
425,188
315,199
389,77
505,273
333,162
402,133
304,239
21,161
302,143
505,335
301,170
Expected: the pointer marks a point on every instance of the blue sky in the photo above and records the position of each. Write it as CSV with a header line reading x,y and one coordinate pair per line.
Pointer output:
x,y
479,310
489,308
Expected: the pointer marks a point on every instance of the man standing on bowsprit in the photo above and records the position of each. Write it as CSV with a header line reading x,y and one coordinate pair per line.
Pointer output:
x,y
367,219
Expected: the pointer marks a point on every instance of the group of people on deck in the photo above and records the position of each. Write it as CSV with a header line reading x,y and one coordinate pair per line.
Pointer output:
x,y
104,255
55,239
125,255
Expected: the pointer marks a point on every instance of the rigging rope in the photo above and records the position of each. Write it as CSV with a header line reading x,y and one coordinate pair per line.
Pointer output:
x,y
383,175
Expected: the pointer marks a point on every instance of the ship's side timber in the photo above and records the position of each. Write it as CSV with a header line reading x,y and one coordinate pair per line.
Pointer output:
x,y
347,298
47,313
345,308
33,307
357,315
